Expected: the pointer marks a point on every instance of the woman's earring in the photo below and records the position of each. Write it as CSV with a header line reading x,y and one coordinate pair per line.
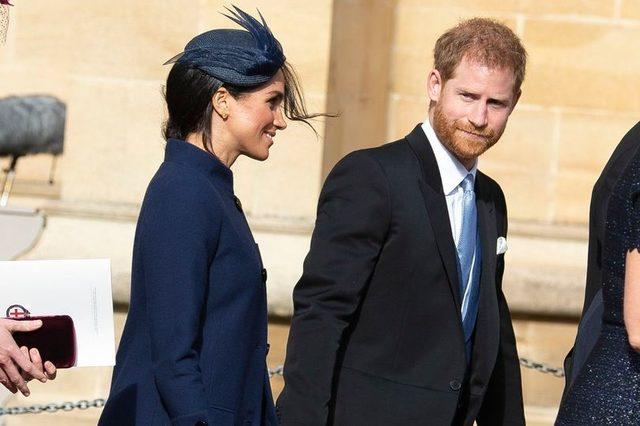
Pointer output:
x,y
224,115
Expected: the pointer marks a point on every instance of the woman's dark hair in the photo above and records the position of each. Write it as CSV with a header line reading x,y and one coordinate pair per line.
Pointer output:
x,y
189,91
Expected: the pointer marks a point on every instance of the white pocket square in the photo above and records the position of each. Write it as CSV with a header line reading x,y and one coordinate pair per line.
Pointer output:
x,y
501,245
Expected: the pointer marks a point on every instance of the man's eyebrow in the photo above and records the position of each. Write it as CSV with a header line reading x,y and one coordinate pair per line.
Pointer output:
x,y
501,100
464,91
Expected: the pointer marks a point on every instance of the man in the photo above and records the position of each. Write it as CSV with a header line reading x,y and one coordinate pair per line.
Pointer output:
x,y
591,320
399,314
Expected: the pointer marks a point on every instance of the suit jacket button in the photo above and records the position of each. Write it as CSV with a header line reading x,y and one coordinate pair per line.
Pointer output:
x,y
201,423
264,275
455,385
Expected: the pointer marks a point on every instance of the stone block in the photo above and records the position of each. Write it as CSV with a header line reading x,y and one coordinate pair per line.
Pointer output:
x,y
573,195
101,38
553,251
529,193
527,143
601,8
581,65
410,70
113,140
630,9
405,112
20,80
587,140
545,275
75,238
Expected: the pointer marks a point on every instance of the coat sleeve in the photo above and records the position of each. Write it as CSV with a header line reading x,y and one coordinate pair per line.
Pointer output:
x,y
178,240
503,404
351,226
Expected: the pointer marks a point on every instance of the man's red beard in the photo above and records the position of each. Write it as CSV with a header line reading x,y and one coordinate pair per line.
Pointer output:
x,y
464,147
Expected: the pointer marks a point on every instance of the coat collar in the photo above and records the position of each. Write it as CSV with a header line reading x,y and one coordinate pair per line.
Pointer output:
x,y
436,207
189,155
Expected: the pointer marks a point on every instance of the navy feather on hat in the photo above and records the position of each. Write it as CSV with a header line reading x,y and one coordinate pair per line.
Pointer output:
x,y
237,57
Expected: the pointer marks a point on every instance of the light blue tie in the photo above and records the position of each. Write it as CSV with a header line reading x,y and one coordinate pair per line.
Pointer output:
x,y
467,245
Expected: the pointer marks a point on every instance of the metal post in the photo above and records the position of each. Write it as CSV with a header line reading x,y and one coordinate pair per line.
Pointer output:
x,y
7,184
52,170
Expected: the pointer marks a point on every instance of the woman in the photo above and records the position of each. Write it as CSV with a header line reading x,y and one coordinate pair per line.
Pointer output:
x,y
195,341
607,389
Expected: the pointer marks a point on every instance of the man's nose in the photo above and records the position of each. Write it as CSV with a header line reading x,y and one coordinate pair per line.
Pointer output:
x,y
478,115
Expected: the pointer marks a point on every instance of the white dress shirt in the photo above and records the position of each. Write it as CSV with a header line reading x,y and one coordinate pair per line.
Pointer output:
x,y
452,173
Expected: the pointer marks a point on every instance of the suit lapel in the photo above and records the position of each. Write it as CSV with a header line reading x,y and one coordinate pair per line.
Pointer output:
x,y
436,207
488,323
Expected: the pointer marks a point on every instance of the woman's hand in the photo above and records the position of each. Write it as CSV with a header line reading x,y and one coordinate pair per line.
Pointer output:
x,y
47,368
13,362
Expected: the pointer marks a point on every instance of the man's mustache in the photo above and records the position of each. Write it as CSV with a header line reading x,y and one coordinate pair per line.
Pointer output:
x,y
485,133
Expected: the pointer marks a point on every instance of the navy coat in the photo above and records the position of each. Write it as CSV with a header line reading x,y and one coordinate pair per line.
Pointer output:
x,y
195,341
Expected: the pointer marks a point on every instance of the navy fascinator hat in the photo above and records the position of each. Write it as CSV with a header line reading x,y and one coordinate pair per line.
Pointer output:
x,y
241,58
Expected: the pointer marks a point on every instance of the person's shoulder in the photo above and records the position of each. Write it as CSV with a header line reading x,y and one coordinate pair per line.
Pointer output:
x,y
175,179
489,183
389,152
176,188
170,172
633,133
381,157
486,179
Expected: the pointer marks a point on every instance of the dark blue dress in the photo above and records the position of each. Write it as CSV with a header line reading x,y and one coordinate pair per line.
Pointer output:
x,y
194,346
607,390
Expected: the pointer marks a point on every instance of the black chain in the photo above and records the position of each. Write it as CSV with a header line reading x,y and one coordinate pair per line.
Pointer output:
x,y
542,367
537,366
278,371
53,407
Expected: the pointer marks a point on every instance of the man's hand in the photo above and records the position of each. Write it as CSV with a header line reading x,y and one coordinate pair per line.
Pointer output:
x,y
13,360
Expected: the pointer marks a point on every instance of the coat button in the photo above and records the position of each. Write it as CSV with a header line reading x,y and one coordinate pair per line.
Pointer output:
x,y
238,203
201,423
264,275
455,385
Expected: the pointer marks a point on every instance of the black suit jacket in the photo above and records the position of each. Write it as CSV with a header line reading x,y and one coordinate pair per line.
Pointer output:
x,y
591,319
376,337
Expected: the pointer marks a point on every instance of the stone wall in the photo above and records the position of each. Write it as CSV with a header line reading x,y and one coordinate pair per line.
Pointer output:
x,y
366,60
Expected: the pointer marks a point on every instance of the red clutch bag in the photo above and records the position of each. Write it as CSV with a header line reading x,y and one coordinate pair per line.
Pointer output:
x,y
55,340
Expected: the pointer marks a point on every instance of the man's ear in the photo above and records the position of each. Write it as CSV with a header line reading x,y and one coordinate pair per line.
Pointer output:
x,y
220,102
434,85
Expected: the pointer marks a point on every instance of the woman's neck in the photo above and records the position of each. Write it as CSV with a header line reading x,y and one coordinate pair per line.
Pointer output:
x,y
224,154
